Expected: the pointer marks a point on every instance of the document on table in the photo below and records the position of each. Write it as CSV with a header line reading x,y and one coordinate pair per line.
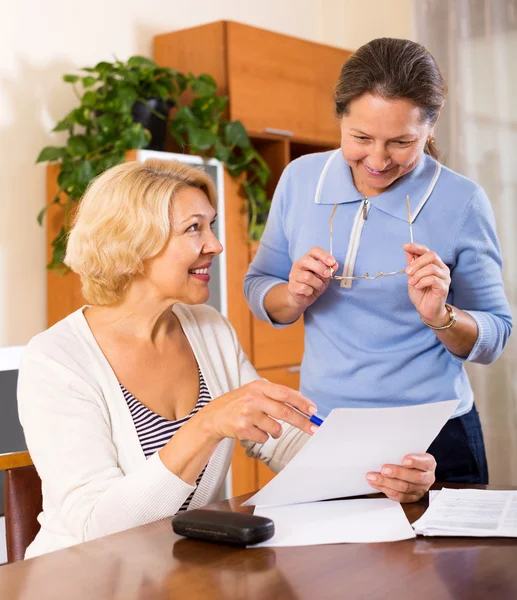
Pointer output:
x,y
337,521
350,443
470,512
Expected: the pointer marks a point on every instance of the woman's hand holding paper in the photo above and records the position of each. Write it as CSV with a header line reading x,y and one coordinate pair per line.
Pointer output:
x,y
406,483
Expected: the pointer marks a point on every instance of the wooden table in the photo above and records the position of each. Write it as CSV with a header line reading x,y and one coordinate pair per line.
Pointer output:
x,y
151,563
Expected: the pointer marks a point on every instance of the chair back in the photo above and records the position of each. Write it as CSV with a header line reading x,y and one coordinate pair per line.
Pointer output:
x,y
23,502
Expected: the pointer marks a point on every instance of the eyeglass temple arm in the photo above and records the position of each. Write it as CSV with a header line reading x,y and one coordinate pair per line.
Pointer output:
x,y
368,276
330,244
331,218
409,219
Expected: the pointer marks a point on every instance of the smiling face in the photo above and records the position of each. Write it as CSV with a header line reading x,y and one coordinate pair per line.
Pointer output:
x,y
181,272
382,140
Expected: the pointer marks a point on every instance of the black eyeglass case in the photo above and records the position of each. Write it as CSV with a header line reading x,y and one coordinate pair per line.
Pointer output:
x,y
237,529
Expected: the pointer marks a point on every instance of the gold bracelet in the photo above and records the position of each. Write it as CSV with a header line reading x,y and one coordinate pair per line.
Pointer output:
x,y
452,314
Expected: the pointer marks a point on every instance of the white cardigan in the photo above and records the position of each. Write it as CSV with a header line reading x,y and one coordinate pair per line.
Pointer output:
x,y
81,437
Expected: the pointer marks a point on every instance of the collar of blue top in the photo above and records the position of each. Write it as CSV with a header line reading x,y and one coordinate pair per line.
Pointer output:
x,y
418,185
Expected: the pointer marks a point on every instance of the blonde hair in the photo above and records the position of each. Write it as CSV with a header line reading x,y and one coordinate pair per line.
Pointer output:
x,y
123,219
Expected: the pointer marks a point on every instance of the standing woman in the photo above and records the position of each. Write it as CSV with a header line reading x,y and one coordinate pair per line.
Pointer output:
x,y
392,310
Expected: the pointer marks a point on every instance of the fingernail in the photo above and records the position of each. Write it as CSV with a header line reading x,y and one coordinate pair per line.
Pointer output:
x,y
312,409
386,471
314,429
371,477
326,272
409,270
411,280
408,462
330,261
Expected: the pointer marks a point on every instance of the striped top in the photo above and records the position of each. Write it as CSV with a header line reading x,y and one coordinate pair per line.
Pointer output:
x,y
154,431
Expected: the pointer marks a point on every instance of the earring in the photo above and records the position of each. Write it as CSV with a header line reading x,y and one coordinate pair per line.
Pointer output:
x,y
431,140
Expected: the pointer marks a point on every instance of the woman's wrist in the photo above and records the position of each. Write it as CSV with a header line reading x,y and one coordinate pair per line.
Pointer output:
x,y
297,309
281,306
189,450
441,320
204,424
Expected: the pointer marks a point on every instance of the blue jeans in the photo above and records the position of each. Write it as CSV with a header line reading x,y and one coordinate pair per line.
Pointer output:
x,y
459,451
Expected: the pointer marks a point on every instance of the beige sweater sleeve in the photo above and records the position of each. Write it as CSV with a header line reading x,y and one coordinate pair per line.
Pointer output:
x,y
277,453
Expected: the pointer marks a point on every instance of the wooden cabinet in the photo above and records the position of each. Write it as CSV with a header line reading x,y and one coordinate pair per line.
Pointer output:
x,y
276,347
274,81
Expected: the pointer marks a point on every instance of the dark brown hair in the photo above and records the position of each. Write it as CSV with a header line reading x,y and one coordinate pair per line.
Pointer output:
x,y
393,68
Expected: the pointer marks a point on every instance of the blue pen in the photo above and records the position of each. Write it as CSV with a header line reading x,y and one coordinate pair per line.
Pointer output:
x,y
316,420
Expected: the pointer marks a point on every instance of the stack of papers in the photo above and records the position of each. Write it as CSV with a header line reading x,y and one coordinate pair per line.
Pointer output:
x,y
337,522
333,465
468,512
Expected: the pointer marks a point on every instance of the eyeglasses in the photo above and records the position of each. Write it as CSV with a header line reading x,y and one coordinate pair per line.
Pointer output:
x,y
367,275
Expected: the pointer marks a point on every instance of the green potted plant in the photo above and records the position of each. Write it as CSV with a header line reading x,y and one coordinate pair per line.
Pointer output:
x,y
109,121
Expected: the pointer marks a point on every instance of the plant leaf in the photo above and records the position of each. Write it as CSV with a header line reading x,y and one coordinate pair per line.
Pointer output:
x,y
201,139
59,251
163,91
51,153
77,145
88,81
185,115
41,214
204,85
127,97
89,99
140,61
136,137
64,124
106,122
84,174
236,135
103,68
222,152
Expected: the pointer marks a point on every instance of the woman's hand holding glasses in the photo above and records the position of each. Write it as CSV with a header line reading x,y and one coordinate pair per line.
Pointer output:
x,y
310,277
429,280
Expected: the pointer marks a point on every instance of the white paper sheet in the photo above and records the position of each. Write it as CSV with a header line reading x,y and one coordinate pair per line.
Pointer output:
x,y
470,512
337,522
350,443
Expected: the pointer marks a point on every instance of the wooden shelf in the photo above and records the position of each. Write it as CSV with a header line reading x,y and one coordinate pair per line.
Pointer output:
x,y
276,153
297,149
318,145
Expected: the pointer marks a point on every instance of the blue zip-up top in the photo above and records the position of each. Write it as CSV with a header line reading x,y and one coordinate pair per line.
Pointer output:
x,y
365,344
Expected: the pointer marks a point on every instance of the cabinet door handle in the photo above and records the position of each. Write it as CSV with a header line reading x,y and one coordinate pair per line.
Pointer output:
x,y
294,369
275,131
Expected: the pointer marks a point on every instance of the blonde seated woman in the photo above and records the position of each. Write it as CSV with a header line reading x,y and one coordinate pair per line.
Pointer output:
x,y
131,405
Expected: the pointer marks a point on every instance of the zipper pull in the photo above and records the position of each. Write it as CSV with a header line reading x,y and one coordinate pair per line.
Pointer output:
x,y
365,209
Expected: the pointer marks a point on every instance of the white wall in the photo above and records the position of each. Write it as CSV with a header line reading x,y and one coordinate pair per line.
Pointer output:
x,y
41,41
352,23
